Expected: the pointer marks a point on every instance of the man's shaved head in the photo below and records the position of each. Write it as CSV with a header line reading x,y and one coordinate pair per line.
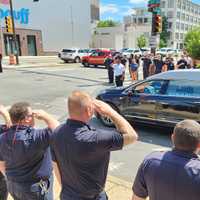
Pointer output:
x,y
187,135
79,103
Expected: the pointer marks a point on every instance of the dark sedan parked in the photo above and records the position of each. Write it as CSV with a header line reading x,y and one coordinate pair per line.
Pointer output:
x,y
162,99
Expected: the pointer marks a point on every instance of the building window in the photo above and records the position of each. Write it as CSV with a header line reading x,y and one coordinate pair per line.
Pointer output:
x,y
181,36
178,15
183,17
163,4
140,20
184,6
170,3
182,26
186,27
177,25
170,24
170,14
179,4
177,36
191,19
145,20
187,18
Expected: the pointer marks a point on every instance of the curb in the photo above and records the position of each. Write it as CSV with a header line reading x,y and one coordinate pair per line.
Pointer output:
x,y
37,66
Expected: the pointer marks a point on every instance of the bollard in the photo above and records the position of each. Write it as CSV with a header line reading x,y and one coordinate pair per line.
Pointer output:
x,y
1,68
12,59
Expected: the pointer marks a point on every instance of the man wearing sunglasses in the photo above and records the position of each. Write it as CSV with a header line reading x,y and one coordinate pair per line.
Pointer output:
x,y
25,155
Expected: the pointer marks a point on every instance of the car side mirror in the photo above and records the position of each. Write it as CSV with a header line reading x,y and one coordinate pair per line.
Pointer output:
x,y
130,93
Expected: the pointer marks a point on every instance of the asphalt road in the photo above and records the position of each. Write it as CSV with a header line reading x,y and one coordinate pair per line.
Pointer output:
x,y
48,87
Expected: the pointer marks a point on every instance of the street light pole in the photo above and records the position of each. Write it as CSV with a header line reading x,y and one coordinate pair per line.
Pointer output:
x,y
14,33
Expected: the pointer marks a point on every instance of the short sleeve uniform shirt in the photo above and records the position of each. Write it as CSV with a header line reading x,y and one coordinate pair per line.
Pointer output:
x,y
172,175
82,154
26,153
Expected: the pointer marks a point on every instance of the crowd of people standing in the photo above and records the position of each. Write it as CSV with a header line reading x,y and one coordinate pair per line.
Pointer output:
x,y
150,65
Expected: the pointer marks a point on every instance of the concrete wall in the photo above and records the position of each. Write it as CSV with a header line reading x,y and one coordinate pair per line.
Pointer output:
x,y
110,37
133,32
63,23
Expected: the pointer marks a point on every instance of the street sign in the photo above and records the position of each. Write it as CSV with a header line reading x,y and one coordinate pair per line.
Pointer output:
x,y
154,41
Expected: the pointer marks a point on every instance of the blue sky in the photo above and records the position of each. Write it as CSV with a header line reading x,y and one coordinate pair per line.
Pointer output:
x,y
116,9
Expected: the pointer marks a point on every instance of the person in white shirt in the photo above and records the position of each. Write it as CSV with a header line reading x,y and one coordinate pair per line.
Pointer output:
x,y
119,71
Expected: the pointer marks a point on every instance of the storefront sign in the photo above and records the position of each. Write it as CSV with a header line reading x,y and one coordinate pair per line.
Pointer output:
x,y
21,16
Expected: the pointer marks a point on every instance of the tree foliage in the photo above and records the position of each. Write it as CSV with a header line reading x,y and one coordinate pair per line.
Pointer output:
x,y
192,43
162,44
107,23
141,41
164,36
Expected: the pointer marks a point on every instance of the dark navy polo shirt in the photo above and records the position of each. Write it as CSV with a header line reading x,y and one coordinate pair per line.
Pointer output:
x,y
82,154
172,175
26,153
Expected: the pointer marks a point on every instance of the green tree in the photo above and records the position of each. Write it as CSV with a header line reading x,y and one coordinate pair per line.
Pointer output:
x,y
107,23
141,41
192,43
162,44
164,35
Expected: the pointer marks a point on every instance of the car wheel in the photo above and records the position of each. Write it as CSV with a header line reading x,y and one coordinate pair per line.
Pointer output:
x,y
85,64
95,66
77,60
106,121
66,61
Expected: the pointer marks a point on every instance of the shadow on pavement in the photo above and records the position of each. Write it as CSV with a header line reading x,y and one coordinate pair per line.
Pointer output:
x,y
59,75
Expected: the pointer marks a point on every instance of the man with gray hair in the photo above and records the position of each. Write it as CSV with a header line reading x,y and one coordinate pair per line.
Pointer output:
x,y
172,175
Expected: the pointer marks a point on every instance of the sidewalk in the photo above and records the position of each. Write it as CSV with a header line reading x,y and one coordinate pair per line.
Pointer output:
x,y
116,189
31,61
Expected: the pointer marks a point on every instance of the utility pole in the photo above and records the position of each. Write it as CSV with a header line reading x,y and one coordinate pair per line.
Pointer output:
x,y
153,33
14,33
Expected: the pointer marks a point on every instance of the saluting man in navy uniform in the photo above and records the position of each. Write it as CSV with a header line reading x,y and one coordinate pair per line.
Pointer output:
x,y
25,155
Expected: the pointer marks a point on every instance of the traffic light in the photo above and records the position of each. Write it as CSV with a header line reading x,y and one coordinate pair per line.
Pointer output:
x,y
157,24
9,24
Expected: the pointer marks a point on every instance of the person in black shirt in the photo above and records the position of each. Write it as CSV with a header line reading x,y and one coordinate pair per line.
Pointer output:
x,y
170,64
108,64
3,129
158,63
182,63
146,65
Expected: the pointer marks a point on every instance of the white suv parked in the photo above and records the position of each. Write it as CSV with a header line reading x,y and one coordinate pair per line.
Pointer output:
x,y
74,55
128,52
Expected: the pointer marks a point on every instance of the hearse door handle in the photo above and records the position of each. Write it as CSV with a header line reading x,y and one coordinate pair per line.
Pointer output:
x,y
164,104
152,101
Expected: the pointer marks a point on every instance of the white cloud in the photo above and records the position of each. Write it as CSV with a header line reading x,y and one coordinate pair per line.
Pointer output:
x,y
109,8
130,11
137,1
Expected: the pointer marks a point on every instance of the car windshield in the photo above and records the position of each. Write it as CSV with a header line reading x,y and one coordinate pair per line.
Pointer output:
x,y
130,50
163,50
68,51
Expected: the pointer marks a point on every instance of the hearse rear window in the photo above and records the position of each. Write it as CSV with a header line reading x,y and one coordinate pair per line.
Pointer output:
x,y
184,88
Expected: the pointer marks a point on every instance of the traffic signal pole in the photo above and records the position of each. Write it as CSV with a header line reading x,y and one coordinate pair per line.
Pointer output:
x,y
14,33
153,33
